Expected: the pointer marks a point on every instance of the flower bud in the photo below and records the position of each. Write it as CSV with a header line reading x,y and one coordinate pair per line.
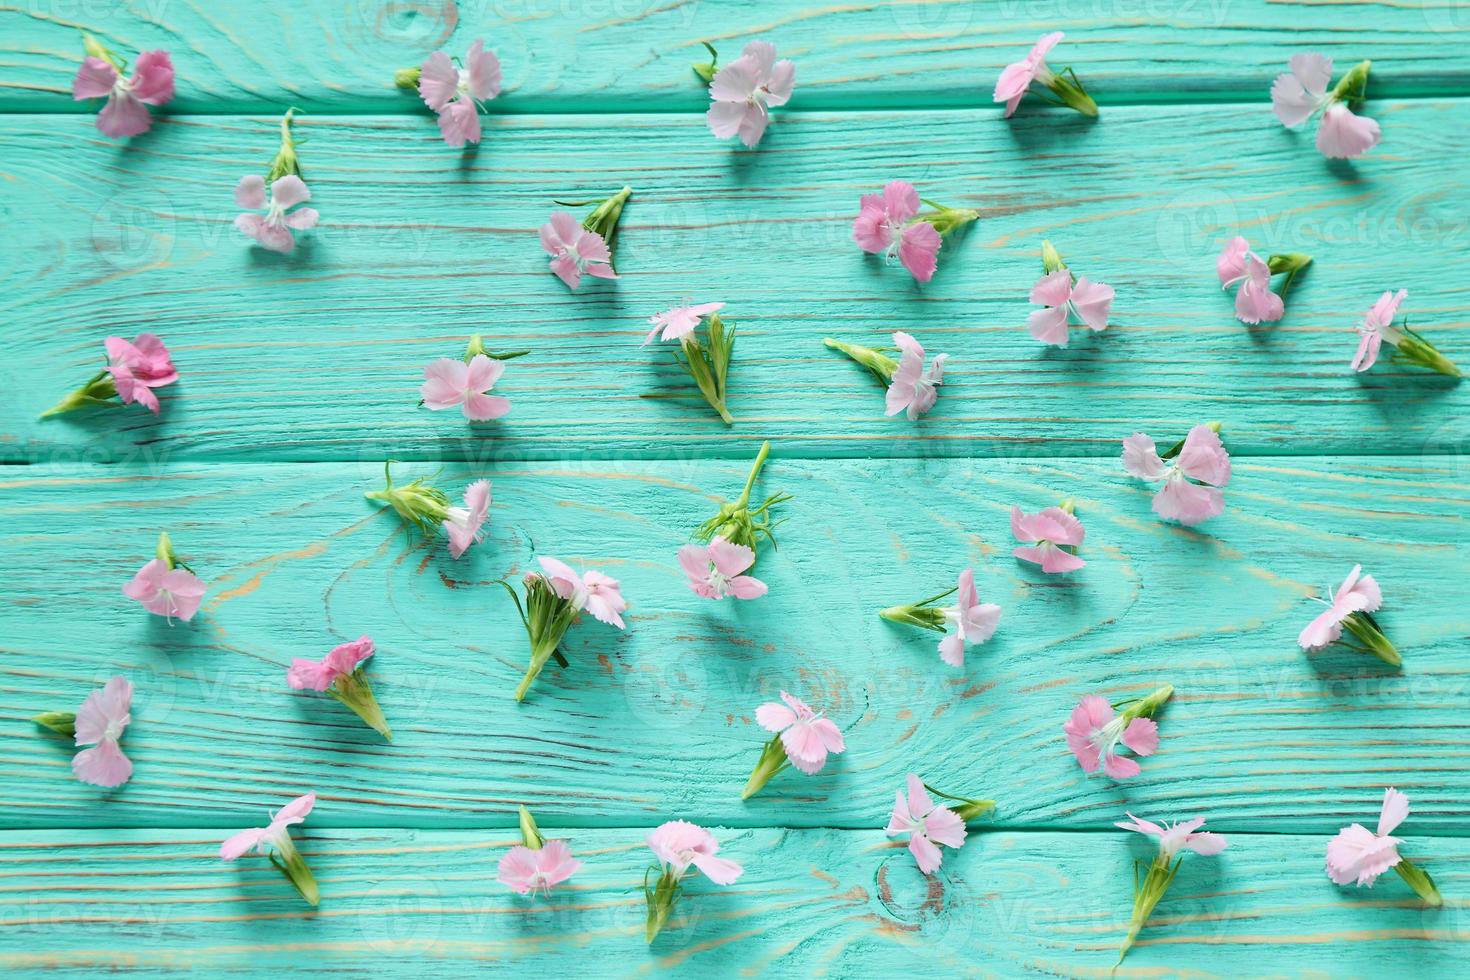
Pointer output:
x,y
1418,879
60,722
530,833
285,161
407,77
706,69
881,365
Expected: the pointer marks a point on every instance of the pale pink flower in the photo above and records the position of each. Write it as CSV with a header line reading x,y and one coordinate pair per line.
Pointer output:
x,y
1358,593
313,675
806,736
912,390
1017,77
575,250
139,367
599,594
1377,326
126,111
1299,94
974,621
679,843
449,382
680,321
715,571
265,838
1358,855
742,91
926,824
1254,301
1095,731
101,720
465,525
1047,531
524,870
174,593
1181,836
1088,301
273,230
1203,458
1342,135
884,226
455,93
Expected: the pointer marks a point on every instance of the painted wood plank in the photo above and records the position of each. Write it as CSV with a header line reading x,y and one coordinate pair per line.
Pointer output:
x,y
811,903
608,54
319,355
660,718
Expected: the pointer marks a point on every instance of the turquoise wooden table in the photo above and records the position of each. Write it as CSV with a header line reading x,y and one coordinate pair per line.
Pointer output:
x,y
300,374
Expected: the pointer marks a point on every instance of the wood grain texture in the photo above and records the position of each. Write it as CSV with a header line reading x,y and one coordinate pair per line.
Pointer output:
x,y
319,355
821,903
660,719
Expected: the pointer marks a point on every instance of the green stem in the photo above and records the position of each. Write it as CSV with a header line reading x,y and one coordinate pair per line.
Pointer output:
x,y
1146,898
755,469
98,391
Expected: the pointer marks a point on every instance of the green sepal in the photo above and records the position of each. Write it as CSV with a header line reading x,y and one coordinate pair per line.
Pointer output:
x,y
1290,264
1352,88
530,833
60,722
706,69
98,391
737,521
286,161
879,364
1418,879
407,77
773,759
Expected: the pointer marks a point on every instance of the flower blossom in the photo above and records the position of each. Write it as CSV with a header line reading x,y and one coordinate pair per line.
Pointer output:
x,y
1089,301
806,736
1358,593
273,230
314,675
1254,301
524,869
449,382
1184,835
927,824
465,525
599,594
912,390
1359,856
574,250
455,93
1300,93
1202,458
164,590
885,226
974,621
275,840
128,99
715,570
139,367
1043,536
680,321
742,92
100,722
1095,731
1016,80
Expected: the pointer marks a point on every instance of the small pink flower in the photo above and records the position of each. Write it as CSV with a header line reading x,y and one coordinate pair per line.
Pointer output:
x,y
806,736
714,571
1358,855
1377,326
1089,301
575,250
926,824
524,870
455,93
139,367
1094,733
1203,458
1017,77
680,321
126,111
1254,302
1181,836
465,525
169,592
312,675
1358,593
1299,94
884,227
101,720
974,621
599,594
911,390
742,91
679,843
1341,135
265,838
273,229
1047,532
450,382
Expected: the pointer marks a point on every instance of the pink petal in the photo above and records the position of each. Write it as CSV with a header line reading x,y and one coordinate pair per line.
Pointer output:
x,y
309,675
516,869
1230,266
1054,559
482,372
870,229
1204,457
1141,458
303,219
695,561
830,734
102,765
445,381
898,821
273,237
1061,526
1049,326
1052,289
746,587
153,78
783,80
1188,503
802,742
925,853
918,250
459,123
1367,354
93,80
295,811
724,118
717,869
1142,736
734,83
1395,810
484,408
1092,301
567,270
730,559
484,72
1120,767
1382,313
103,708
1013,83
900,201
1208,844
774,717
123,115
241,843
250,192
753,124
1343,135
289,191
1321,631
944,826
919,801
438,80
1296,94
899,397
1141,826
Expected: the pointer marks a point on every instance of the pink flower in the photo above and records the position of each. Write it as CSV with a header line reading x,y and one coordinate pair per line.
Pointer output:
x,y
1299,94
139,367
575,250
599,594
1254,302
714,571
1088,301
680,321
273,229
101,720
741,92
912,390
926,824
1376,325
455,93
1181,836
524,870
1356,594
974,621
265,838
465,525
312,675
806,736
1342,135
450,382
884,227
1203,458
1047,532
164,591
1094,734
1357,855
1017,77
126,111
679,843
